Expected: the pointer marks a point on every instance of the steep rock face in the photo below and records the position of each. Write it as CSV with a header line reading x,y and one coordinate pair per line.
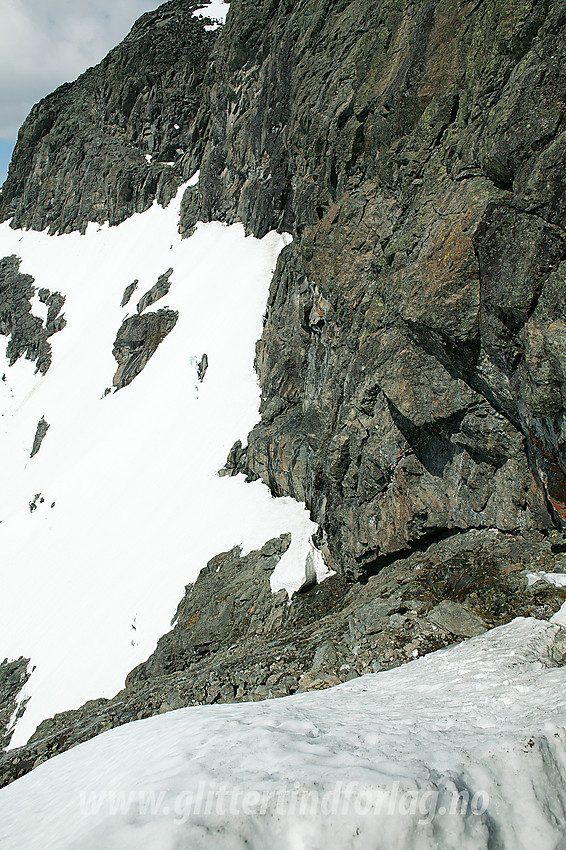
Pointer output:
x,y
158,290
108,144
412,362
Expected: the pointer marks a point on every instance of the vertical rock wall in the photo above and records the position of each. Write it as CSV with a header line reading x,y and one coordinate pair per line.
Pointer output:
x,y
412,362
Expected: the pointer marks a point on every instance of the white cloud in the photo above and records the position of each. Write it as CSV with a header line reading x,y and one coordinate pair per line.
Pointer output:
x,y
44,44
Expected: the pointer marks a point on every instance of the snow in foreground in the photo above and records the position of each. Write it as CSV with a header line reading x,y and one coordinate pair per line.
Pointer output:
x,y
464,749
131,506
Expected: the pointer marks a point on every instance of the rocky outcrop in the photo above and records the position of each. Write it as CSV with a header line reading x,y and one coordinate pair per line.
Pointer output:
x,y
41,431
137,341
202,367
157,291
122,135
234,641
128,292
29,334
13,676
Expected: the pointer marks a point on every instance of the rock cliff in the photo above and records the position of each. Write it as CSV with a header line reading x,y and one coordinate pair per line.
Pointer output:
x,y
411,363
413,358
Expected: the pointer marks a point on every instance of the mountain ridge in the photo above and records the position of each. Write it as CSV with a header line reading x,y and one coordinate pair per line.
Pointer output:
x,y
412,363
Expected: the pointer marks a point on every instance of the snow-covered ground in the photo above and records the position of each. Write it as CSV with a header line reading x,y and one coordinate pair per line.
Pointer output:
x,y
464,749
131,507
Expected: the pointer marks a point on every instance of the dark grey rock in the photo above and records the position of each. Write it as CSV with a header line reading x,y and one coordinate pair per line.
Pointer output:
x,y
28,334
411,365
157,291
13,677
233,640
325,657
202,367
42,429
137,341
33,505
81,153
456,619
373,618
236,461
128,292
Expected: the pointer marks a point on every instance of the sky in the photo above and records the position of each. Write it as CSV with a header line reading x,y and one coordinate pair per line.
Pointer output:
x,y
44,43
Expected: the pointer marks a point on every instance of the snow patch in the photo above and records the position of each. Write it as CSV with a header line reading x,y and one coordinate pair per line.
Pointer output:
x,y
215,9
559,619
555,579
38,308
194,179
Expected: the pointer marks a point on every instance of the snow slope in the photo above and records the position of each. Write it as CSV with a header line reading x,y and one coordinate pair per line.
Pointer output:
x,y
464,749
132,505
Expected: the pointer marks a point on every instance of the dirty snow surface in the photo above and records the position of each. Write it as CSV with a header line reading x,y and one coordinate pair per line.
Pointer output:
x,y
128,503
464,749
